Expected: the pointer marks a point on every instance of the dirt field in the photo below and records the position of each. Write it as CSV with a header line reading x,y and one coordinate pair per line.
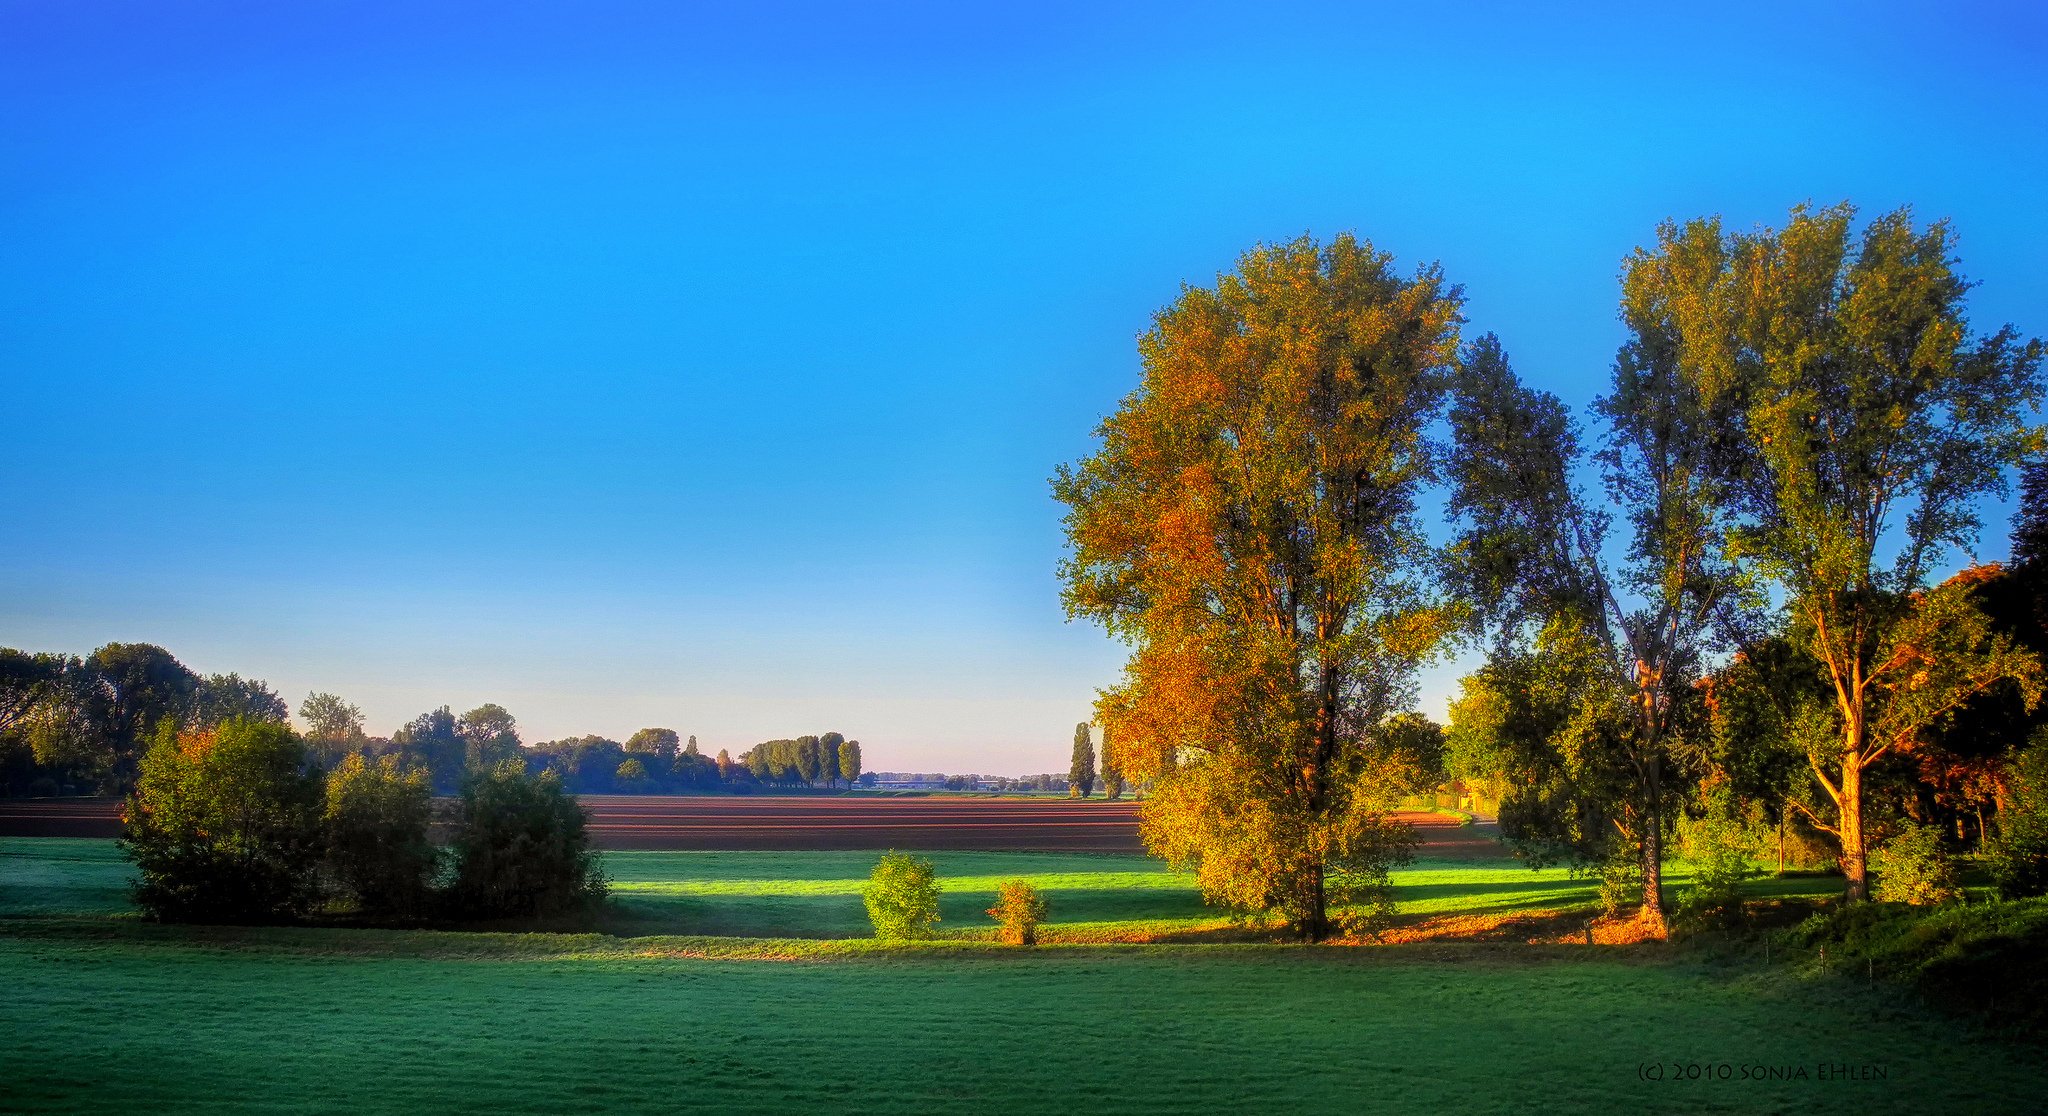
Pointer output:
x,y
804,822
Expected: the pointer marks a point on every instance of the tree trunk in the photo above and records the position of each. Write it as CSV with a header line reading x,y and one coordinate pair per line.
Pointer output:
x,y
1315,924
1653,846
1782,811
1858,889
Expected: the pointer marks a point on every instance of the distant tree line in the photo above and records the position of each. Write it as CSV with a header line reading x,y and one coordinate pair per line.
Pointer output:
x,y
71,725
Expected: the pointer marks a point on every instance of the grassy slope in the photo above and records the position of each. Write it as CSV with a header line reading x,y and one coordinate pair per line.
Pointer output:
x,y
112,1014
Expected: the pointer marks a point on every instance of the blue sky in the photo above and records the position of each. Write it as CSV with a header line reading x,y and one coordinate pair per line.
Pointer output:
x,y
658,364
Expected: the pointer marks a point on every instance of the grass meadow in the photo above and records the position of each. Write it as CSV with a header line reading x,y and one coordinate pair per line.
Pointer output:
x,y
742,982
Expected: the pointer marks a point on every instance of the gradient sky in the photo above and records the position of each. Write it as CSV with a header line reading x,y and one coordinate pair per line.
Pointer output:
x,y
703,366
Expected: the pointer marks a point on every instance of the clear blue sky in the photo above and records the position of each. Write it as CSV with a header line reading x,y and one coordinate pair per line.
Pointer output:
x,y
703,366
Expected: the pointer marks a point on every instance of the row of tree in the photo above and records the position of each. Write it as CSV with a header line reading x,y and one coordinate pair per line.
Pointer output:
x,y
238,823
1721,601
81,725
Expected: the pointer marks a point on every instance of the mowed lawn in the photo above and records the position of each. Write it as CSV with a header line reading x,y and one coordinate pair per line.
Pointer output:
x,y
105,1013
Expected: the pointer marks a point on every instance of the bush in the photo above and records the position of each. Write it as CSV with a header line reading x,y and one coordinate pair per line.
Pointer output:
x,y
902,897
2019,859
1020,908
1621,885
1719,851
1986,959
377,849
520,848
1913,868
224,826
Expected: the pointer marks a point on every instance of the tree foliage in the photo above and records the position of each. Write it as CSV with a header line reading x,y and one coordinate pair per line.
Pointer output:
x,y
1622,643
1249,525
1081,769
521,848
1864,420
902,897
224,824
1019,909
376,821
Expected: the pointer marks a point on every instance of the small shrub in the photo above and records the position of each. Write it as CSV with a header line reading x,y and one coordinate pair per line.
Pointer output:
x,y
378,854
2019,858
521,849
902,897
1621,886
1913,868
1019,908
224,825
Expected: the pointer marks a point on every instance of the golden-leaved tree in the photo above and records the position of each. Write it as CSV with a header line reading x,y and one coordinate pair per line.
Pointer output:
x,y
1249,526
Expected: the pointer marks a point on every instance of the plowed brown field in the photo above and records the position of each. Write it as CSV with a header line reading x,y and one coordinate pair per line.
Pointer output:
x,y
804,822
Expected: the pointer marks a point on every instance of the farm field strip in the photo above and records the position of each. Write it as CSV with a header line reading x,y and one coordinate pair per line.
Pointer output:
x,y
802,822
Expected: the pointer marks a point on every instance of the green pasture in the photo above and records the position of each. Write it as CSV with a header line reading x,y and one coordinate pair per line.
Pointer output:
x,y
733,982
1093,897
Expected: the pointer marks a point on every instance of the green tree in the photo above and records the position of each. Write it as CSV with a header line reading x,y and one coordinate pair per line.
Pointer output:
x,y
1866,420
521,847
127,690
807,759
849,762
1081,768
1249,525
828,757
221,697
1533,558
376,823
333,726
430,740
489,737
631,774
902,897
224,825
654,741
690,749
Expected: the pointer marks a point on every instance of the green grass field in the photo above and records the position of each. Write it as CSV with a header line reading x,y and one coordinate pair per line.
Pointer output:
x,y
731,994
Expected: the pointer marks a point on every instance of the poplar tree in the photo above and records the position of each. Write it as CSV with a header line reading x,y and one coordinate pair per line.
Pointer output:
x,y
1249,526
1081,770
1867,420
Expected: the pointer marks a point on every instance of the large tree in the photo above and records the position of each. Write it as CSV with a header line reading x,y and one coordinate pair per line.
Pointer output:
x,y
1249,526
1619,639
1868,420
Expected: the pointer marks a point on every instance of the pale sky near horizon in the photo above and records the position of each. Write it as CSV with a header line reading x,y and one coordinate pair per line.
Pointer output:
x,y
657,364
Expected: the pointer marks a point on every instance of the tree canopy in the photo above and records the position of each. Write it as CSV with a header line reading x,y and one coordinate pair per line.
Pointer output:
x,y
1249,526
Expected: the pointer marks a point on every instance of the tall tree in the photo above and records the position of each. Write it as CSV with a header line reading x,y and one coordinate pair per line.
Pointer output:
x,y
333,725
1868,420
490,736
849,762
806,759
133,688
828,757
1081,769
1249,526
1625,640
